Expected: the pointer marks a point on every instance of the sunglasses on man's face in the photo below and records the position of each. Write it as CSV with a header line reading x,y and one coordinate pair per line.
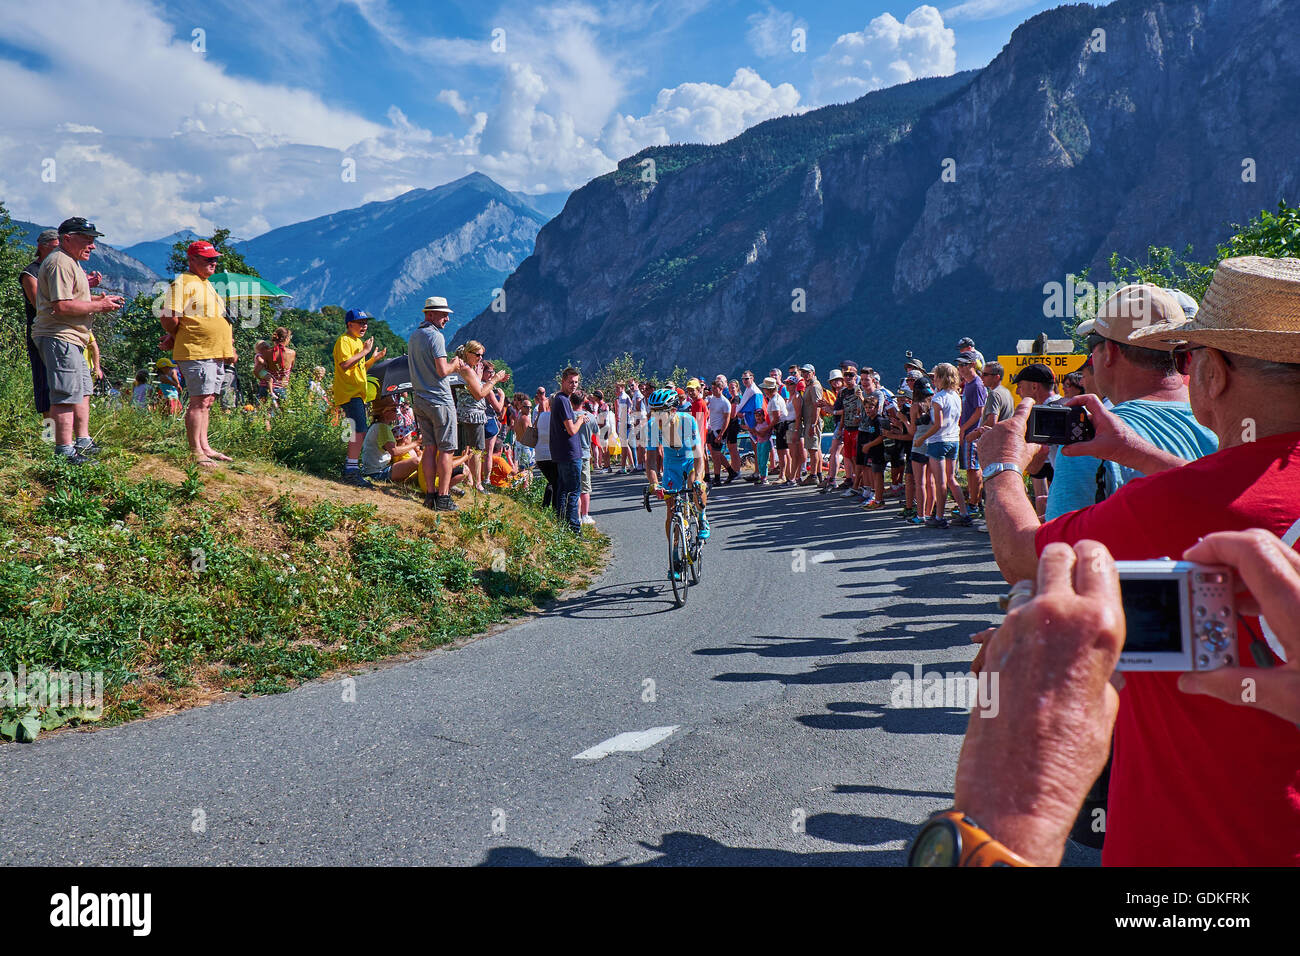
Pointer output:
x,y
1182,356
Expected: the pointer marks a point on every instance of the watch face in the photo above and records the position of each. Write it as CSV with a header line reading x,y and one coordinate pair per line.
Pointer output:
x,y
936,845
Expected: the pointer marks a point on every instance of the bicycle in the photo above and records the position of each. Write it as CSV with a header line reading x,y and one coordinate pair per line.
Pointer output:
x,y
685,549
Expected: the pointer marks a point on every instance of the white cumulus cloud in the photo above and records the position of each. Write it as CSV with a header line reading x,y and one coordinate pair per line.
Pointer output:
x,y
887,52
701,113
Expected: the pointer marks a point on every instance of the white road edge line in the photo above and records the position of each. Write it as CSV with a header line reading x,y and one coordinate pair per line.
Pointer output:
x,y
629,742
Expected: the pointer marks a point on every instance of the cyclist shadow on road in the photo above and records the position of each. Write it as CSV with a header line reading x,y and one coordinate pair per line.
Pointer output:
x,y
622,600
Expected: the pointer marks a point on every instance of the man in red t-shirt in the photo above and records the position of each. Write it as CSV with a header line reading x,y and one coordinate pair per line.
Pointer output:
x,y
1195,781
700,412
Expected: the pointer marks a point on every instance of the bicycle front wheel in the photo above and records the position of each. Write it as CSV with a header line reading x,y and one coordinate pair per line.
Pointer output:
x,y
678,560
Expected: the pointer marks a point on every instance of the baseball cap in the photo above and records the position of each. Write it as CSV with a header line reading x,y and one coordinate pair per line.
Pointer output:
x,y
78,225
47,235
807,368
923,389
1035,373
693,383
965,358
1131,308
966,343
791,379
1190,308
203,249
905,390
356,315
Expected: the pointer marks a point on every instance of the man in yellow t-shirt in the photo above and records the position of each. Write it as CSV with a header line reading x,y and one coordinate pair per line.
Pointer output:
x,y
352,360
65,310
204,344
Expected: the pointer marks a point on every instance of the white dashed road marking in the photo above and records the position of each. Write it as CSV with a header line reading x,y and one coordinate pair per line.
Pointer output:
x,y
629,742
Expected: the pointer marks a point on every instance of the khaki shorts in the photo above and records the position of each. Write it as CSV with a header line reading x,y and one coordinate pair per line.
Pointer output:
x,y
66,371
437,424
812,442
586,476
203,376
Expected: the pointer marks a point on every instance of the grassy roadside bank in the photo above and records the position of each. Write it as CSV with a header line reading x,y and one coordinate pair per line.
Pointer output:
x,y
181,587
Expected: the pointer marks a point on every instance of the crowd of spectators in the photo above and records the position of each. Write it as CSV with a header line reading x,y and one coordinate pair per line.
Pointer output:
x,y
1196,454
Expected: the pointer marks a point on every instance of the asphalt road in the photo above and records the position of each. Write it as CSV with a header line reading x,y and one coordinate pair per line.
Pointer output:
x,y
775,679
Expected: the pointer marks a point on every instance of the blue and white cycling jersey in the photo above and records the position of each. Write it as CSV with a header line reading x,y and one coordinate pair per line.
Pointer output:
x,y
677,435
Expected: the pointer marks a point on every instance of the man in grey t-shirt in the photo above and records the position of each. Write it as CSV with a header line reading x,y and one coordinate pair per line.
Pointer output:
x,y
435,409
1000,405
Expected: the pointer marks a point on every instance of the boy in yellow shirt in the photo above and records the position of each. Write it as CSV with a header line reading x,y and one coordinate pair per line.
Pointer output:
x,y
352,359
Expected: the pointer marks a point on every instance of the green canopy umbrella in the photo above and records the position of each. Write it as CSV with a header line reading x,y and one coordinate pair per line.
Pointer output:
x,y
230,285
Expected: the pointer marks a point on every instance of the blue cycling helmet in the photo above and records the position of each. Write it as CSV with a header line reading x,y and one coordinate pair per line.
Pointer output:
x,y
664,399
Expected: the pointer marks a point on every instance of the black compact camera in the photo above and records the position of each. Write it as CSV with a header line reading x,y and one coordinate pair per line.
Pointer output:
x,y
1059,425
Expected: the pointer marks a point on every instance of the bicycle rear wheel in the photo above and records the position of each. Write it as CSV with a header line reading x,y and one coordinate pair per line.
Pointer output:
x,y
677,561
696,551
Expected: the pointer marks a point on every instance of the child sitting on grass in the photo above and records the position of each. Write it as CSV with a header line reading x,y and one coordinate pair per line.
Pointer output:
x,y
169,386
504,472
382,456
140,394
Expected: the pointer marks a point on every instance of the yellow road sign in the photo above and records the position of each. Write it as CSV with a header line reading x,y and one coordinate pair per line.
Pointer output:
x,y
1061,365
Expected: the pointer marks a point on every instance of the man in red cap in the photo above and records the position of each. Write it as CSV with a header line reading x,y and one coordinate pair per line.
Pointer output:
x,y
204,343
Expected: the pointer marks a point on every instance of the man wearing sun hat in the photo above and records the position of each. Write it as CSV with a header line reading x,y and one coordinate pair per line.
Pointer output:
x,y
1144,388
1201,776
433,402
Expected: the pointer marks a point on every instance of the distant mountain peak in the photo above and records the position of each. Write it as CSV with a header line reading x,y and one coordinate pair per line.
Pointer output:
x,y
460,239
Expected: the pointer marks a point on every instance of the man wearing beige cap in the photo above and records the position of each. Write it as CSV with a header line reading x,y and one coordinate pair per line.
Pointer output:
x,y
1144,388
1202,774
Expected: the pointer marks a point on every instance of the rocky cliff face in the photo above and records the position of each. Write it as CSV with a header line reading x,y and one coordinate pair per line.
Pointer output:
x,y
924,212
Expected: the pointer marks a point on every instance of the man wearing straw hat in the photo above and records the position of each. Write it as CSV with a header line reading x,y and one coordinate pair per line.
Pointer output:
x,y
1145,389
1195,780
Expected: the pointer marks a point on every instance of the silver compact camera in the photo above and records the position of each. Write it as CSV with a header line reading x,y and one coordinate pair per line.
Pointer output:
x,y
1181,616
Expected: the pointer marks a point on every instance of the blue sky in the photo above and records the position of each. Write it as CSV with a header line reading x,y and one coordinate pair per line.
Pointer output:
x,y
252,122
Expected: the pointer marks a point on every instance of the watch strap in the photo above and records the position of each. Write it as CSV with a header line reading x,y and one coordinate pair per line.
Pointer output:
x,y
977,846
988,471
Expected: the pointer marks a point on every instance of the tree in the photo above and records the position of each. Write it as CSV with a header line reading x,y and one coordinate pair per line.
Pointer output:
x,y
607,376
14,256
1275,235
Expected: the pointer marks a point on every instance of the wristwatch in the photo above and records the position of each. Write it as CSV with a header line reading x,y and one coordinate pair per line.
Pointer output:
x,y
950,838
988,471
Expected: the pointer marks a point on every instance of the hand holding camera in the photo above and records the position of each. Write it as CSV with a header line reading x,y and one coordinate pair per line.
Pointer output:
x,y
1270,572
1058,425
1025,768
